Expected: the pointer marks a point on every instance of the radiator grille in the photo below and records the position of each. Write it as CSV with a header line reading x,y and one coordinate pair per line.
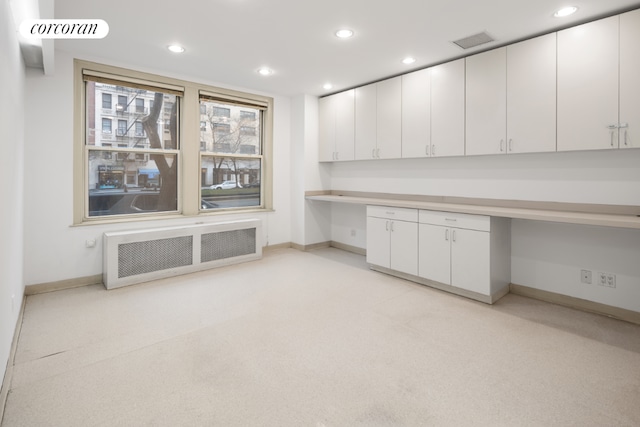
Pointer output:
x,y
136,256
227,244
154,255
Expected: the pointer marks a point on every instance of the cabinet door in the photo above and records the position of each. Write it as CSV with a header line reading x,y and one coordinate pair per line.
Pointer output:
x,y
588,86
389,118
327,131
486,95
447,109
470,260
345,125
531,95
378,241
365,122
434,252
630,79
404,247
416,114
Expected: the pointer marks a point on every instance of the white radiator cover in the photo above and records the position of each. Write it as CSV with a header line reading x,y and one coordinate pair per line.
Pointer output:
x,y
141,255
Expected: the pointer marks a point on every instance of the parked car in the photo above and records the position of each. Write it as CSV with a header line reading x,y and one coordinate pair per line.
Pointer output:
x,y
226,185
254,184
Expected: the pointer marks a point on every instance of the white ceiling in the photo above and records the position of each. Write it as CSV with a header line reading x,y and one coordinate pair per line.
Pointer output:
x,y
226,41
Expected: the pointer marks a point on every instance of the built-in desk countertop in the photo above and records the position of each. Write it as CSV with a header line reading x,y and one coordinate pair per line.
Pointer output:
x,y
620,216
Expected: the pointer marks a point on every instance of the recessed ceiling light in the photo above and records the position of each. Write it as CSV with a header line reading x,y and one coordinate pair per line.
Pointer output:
x,y
408,60
264,71
344,33
565,11
175,48
327,86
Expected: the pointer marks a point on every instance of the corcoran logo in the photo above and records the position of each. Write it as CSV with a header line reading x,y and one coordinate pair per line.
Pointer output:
x,y
64,28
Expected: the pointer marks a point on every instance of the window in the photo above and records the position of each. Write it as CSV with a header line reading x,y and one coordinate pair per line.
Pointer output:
x,y
160,149
247,130
139,129
221,128
247,115
122,102
122,128
231,172
106,100
158,153
106,125
220,111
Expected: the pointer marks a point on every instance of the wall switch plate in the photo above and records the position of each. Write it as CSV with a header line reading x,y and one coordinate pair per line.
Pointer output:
x,y
585,276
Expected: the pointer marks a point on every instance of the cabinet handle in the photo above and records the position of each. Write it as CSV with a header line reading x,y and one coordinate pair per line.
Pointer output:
x,y
386,226
625,138
625,126
454,235
501,145
433,150
373,153
612,128
426,150
337,155
378,153
451,219
446,234
392,226
510,144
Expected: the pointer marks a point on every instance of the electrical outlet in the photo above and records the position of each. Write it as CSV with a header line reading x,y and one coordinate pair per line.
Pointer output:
x,y
585,276
602,279
611,280
353,232
607,279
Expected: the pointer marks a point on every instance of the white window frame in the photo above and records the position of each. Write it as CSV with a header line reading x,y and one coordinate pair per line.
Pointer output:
x,y
189,174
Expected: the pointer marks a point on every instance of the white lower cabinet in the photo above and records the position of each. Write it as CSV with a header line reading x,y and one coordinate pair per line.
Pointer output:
x,y
455,256
469,255
467,252
392,238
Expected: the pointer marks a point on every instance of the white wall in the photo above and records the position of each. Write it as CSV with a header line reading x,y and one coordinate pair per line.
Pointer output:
x,y
545,256
609,177
12,73
54,249
310,223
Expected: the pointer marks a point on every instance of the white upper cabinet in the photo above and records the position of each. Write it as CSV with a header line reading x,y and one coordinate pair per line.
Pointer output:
x,y
486,109
531,95
389,118
337,133
366,128
629,119
588,86
447,109
379,120
327,129
345,125
416,114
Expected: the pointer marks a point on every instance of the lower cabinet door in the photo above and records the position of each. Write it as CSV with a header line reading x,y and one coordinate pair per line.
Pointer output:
x,y
470,260
434,253
378,244
404,247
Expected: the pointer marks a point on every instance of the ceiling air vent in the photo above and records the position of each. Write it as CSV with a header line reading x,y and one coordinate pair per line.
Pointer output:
x,y
474,40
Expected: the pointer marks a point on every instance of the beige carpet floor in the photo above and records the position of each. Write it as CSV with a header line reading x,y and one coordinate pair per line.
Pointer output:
x,y
315,339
